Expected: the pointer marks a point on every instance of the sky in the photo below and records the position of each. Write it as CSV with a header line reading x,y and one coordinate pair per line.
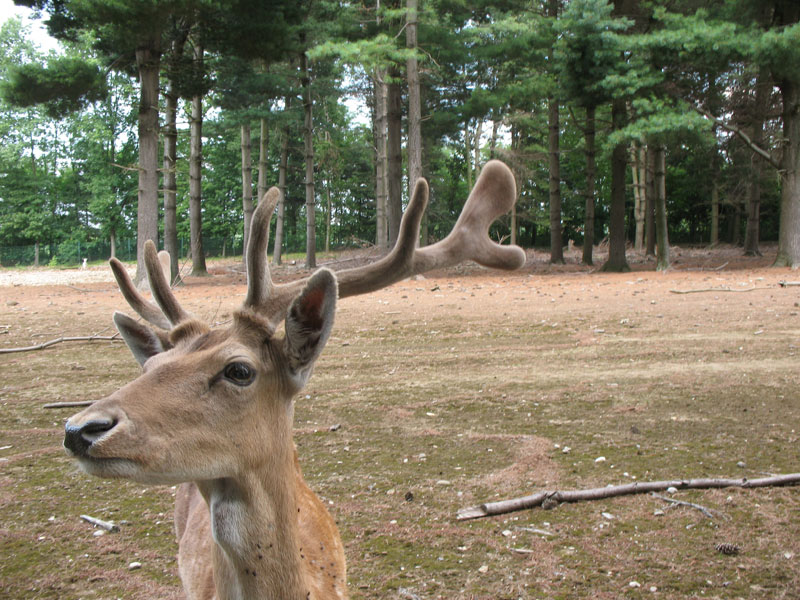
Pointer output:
x,y
8,9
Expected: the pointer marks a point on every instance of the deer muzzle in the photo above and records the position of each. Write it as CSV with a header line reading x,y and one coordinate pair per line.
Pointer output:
x,y
79,437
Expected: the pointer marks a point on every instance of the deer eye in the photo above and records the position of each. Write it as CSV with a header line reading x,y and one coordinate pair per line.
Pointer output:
x,y
239,373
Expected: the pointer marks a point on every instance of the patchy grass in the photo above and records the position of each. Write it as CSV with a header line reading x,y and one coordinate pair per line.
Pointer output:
x,y
453,391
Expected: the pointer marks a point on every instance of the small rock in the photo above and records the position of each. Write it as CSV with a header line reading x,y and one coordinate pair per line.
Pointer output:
x,y
607,516
741,464
134,565
566,449
336,427
600,459
658,513
506,533
99,533
483,569
634,584
653,589
12,303
672,490
443,482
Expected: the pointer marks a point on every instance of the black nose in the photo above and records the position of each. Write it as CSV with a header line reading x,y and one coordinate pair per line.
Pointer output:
x,y
79,438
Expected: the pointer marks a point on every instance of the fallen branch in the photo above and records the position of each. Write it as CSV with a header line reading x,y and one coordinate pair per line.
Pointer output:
x,y
788,283
707,512
68,404
108,526
42,346
716,290
554,497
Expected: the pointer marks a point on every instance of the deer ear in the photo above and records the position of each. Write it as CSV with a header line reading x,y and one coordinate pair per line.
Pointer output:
x,y
142,341
308,324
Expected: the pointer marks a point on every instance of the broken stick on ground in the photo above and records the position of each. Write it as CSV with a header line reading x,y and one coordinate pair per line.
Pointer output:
x,y
554,497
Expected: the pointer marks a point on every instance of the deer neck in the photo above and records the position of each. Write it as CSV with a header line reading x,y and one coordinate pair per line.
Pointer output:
x,y
254,524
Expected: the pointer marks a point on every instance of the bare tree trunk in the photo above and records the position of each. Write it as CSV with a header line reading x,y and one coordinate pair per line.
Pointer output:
x,y
195,181
556,237
468,153
662,239
714,213
650,203
617,261
247,184
394,174
414,103
328,213
277,248
308,137
638,172
148,63
36,253
381,232
591,173
789,228
751,237
171,180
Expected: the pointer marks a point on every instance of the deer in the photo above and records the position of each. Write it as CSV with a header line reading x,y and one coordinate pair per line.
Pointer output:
x,y
212,410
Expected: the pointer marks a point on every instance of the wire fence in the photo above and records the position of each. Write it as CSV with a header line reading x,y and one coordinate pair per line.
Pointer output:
x,y
70,253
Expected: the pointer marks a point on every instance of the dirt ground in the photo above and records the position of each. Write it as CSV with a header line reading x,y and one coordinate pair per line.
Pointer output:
x,y
454,389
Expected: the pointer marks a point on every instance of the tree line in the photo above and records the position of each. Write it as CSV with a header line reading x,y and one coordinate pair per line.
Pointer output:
x,y
627,121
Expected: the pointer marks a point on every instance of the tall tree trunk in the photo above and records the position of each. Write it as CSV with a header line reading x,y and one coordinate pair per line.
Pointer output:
x,y
616,248
328,215
662,239
247,184
195,181
171,180
170,162
789,228
381,231
394,171
761,106
638,172
468,153
308,137
148,55
556,237
277,248
414,102
650,203
714,213
36,254
263,159
591,173
556,249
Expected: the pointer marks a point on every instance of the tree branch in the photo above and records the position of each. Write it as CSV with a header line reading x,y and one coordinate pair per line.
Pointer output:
x,y
43,345
745,138
551,498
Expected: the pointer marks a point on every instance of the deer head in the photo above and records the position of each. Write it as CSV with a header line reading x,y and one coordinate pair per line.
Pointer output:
x,y
215,406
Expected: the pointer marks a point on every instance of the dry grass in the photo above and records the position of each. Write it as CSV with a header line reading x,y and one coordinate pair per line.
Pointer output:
x,y
457,389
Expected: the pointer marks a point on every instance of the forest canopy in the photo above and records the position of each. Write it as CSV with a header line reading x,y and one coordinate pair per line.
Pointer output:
x,y
636,123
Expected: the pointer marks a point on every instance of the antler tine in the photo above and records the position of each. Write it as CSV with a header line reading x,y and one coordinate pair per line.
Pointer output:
x,y
494,194
396,265
144,308
160,286
259,280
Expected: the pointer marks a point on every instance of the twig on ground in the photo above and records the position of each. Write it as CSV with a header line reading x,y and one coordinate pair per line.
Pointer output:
x,y
707,512
553,497
108,526
43,345
719,289
68,404
788,283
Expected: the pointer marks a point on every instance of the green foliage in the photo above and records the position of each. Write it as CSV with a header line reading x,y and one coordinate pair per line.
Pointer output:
x,y
63,85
